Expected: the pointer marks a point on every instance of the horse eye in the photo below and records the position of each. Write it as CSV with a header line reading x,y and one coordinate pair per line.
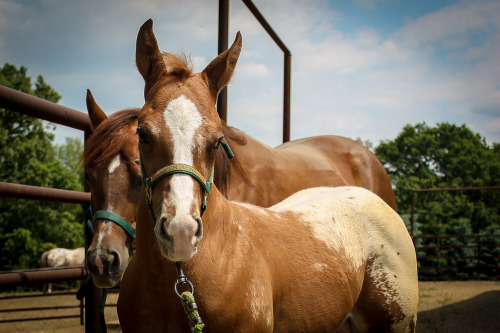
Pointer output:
x,y
142,135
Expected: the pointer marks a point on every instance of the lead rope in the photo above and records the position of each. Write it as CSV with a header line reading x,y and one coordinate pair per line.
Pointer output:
x,y
187,300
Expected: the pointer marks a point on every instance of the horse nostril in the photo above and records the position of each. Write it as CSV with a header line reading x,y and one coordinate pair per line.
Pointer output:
x,y
115,260
163,228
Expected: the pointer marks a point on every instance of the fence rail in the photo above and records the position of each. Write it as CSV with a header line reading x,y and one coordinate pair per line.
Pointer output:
x,y
79,306
480,265
20,102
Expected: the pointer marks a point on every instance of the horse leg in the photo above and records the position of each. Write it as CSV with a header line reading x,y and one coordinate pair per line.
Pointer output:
x,y
47,288
345,327
377,310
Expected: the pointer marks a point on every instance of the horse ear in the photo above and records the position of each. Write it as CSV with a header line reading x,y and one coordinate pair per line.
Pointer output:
x,y
96,115
220,70
148,57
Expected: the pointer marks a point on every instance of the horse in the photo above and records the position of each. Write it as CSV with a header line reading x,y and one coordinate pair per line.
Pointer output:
x,y
259,174
60,257
323,259
111,163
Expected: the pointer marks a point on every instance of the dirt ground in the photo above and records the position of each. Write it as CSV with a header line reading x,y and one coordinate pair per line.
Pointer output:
x,y
471,306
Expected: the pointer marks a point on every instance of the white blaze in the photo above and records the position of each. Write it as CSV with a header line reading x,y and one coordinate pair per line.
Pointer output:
x,y
115,163
183,119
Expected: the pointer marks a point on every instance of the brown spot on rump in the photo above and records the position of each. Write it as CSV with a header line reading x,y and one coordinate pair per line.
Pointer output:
x,y
374,293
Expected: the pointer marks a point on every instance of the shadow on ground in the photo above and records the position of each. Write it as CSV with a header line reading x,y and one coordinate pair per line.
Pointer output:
x,y
478,314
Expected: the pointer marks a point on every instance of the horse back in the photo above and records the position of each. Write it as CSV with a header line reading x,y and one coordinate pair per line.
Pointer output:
x,y
272,174
349,162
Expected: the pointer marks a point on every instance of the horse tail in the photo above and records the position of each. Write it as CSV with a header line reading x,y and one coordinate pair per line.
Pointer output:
x,y
43,259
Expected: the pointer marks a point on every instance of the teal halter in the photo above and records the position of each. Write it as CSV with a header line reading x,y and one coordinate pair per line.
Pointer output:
x,y
106,214
149,182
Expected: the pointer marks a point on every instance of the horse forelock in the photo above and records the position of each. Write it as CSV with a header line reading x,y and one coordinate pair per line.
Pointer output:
x,y
179,65
109,138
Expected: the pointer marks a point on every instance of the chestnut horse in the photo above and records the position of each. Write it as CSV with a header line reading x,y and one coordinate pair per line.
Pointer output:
x,y
111,162
323,257
259,175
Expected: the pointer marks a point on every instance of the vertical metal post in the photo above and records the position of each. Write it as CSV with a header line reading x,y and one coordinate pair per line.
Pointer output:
x,y
81,311
478,269
287,72
94,296
412,218
222,46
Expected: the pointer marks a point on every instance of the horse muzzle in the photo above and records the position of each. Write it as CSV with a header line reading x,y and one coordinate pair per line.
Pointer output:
x,y
106,266
179,237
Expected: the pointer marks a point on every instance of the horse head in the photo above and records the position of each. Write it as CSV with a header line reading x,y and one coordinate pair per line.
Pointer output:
x,y
111,161
179,133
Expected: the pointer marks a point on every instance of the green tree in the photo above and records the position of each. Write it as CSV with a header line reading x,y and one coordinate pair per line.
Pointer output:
x,y
444,156
69,154
27,156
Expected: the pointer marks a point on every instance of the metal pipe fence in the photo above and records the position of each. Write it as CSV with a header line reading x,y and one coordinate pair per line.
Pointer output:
x,y
442,257
287,60
20,102
79,306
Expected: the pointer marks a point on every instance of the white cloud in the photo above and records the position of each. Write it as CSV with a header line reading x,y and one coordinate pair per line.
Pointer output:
x,y
442,66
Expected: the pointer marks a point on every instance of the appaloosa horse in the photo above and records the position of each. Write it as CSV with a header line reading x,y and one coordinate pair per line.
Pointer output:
x,y
322,257
60,257
259,175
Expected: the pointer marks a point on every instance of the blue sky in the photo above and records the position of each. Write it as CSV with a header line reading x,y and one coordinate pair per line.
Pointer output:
x,y
362,68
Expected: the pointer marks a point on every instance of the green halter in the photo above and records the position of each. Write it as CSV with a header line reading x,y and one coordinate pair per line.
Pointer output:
x,y
149,182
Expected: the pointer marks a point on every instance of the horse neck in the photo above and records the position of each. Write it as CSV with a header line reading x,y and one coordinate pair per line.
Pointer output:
x,y
217,213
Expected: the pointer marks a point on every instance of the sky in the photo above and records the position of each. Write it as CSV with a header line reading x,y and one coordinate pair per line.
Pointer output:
x,y
360,69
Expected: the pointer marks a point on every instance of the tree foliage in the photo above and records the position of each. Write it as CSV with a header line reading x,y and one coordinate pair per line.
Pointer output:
x,y
27,228
444,156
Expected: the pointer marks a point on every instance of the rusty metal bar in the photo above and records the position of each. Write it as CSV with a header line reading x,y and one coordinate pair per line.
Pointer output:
x,y
38,318
222,46
286,70
54,293
28,192
57,307
253,9
445,189
20,102
42,275
93,297
412,215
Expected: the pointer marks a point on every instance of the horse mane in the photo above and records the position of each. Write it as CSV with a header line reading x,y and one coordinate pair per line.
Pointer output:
x,y
222,172
179,65
108,138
